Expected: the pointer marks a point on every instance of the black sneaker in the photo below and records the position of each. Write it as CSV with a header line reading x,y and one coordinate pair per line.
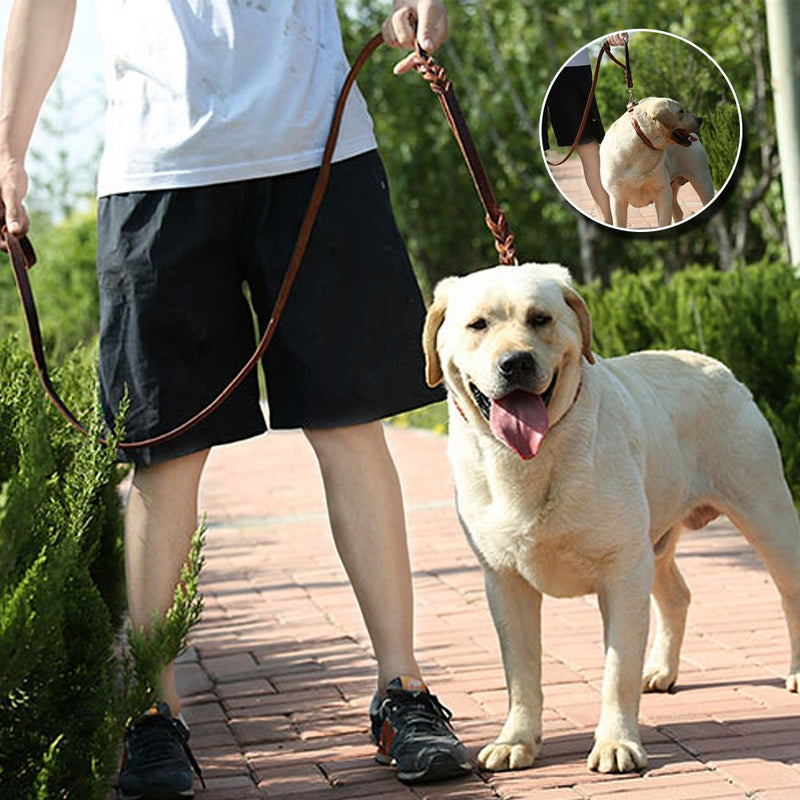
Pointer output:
x,y
157,763
412,731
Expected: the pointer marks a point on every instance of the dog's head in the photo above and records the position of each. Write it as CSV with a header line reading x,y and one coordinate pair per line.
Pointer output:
x,y
508,342
673,122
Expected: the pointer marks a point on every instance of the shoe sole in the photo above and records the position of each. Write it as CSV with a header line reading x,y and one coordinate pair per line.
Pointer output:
x,y
187,795
441,768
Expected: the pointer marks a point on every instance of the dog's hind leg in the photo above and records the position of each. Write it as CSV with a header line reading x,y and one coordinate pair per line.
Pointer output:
x,y
671,598
770,524
677,211
516,611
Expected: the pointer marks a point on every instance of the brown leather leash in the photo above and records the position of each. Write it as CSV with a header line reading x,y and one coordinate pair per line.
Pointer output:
x,y
23,257
605,50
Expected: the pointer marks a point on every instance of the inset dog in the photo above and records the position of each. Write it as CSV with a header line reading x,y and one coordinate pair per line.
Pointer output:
x,y
648,154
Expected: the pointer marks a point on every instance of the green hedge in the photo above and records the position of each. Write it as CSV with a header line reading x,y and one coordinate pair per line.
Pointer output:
x,y
64,283
65,696
60,589
748,318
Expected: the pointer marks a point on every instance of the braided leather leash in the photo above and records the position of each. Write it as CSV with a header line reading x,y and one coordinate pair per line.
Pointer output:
x,y
23,257
605,50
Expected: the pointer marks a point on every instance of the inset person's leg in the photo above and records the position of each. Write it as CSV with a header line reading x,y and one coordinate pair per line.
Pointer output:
x,y
589,155
160,519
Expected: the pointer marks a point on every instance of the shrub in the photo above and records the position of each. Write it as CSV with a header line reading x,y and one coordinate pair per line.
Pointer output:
x,y
60,595
63,702
748,318
722,126
64,282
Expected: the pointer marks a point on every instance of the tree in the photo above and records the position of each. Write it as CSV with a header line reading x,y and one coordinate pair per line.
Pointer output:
x,y
501,57
62,183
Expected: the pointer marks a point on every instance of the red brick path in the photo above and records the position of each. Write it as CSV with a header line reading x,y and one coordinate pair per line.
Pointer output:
x,y
279,675
569,180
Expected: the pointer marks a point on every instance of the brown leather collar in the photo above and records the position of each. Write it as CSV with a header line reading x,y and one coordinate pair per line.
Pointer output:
x,y
639,132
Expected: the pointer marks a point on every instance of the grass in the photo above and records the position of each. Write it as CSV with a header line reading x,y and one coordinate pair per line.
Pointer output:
x,y
432,418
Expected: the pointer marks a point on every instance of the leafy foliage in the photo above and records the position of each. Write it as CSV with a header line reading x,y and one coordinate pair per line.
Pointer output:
x,y
62,703
60,522
501,57
64,282
149,652
748,318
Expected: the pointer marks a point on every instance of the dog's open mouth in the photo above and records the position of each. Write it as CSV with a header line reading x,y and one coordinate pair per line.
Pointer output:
x,y
519,419
683,137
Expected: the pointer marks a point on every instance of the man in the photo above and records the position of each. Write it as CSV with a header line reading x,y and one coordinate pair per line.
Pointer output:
x,y
217,116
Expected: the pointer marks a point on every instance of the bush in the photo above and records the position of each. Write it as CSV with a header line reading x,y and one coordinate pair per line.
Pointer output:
x,y
64,283
63,699
61,596
748,318
722,126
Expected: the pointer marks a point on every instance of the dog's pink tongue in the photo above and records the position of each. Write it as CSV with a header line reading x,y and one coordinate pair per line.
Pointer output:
x,y
520,420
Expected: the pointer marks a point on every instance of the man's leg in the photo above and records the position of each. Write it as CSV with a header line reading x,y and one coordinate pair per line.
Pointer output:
x,y
365,507
409,726
160,520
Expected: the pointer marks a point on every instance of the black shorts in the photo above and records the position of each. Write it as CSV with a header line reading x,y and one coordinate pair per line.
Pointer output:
x,y
176,269
564,106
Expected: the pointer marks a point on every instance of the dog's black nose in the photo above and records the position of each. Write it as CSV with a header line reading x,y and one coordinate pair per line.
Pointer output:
x,y
516,364
699,122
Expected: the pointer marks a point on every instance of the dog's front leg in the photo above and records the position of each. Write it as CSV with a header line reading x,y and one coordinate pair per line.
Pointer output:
x,y
516,610
619,211
663,205
625,606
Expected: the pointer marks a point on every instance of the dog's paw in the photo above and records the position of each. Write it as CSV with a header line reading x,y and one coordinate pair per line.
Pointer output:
x,y
793,680
658,678
617,756
501,756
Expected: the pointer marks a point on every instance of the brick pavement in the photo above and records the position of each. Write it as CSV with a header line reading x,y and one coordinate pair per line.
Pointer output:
x,y
568,179
279,675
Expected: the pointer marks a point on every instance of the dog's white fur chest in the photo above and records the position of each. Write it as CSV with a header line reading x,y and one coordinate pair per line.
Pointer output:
x,y
520,519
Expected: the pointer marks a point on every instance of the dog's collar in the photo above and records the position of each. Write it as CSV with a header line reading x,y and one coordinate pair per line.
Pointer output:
x,y
639,132
452,396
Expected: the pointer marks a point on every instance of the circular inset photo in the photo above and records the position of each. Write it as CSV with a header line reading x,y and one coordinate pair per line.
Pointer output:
x,y
647,139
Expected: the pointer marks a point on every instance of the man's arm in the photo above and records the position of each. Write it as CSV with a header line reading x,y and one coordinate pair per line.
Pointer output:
x,y
36,41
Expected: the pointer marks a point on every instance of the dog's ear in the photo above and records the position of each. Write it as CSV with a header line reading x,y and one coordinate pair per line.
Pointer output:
x,y
578,305
433,321
662,113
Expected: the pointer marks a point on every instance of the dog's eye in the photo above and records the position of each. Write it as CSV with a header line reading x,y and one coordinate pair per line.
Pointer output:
x,y
537,319
479,324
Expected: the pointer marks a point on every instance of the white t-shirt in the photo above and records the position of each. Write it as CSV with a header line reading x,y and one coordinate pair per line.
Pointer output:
x,y
211,91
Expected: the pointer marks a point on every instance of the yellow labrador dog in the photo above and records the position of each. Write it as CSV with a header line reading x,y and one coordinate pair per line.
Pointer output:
x,y
575,475
648,154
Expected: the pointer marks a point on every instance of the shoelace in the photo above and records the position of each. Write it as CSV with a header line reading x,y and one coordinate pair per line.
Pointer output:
x,y
421,709
161,732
